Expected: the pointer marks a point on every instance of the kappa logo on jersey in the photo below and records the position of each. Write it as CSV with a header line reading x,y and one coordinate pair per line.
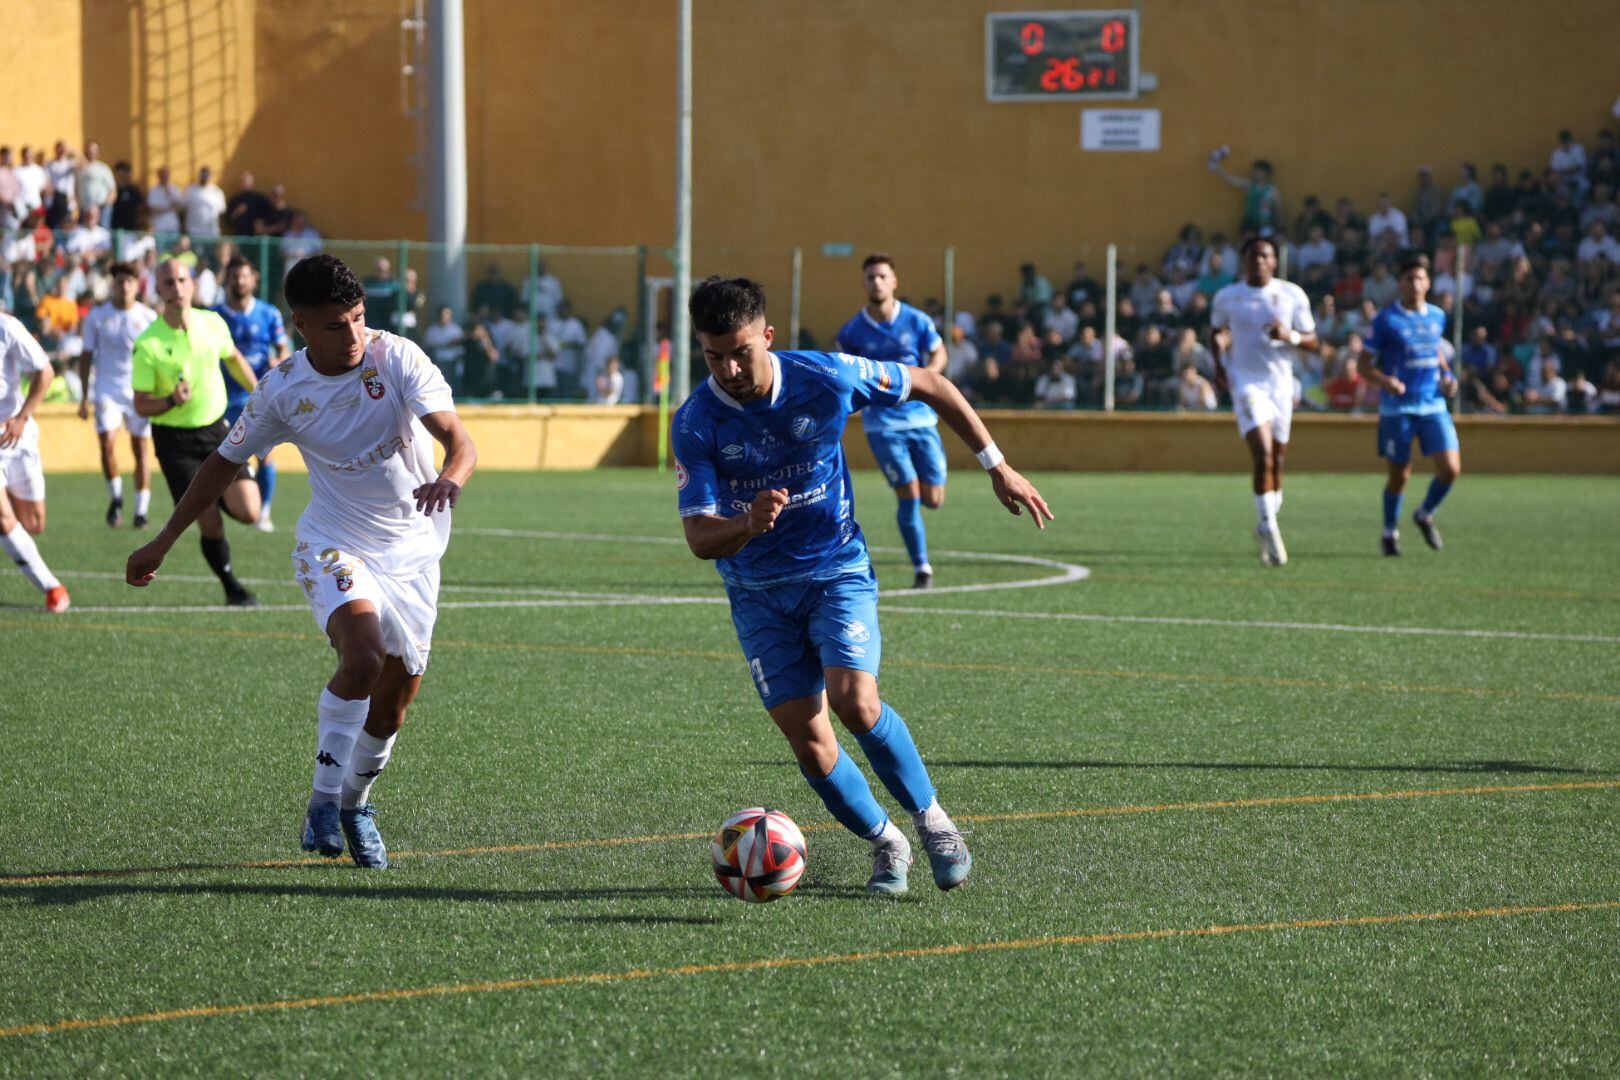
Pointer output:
x,y
733,452
682,477
803,427
306,406
856,631
373,381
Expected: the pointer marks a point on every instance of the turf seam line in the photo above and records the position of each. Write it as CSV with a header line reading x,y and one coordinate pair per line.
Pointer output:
x,y
978,819
790,962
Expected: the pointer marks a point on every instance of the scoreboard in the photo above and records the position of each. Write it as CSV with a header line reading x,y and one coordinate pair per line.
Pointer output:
x,y
1061,56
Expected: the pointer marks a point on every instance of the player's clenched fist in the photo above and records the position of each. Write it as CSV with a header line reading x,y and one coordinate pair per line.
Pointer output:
x,y
765,509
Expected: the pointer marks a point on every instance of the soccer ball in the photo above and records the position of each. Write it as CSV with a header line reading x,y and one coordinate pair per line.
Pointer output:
x,y
758,855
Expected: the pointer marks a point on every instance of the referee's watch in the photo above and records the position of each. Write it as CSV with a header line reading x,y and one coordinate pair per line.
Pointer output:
x,y
173,404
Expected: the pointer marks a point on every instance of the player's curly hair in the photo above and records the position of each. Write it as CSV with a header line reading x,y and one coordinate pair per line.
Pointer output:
x,y
722,305
320,280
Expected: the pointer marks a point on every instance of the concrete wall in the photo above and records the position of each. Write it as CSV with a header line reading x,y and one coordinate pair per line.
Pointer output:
x,y
815,122
585,437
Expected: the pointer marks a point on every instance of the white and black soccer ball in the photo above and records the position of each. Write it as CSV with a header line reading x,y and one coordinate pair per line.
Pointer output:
x,y
758,855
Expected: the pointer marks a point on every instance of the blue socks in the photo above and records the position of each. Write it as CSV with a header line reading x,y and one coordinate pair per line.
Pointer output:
x,y
894,758
848,797
912,532
267,482
1392,510
1436,495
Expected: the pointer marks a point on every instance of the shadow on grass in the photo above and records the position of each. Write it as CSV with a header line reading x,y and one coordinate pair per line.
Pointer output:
x,y
1470,768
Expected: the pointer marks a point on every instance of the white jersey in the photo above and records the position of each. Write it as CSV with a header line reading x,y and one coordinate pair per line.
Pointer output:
x,y
109,337
1255,357
364,446
20,359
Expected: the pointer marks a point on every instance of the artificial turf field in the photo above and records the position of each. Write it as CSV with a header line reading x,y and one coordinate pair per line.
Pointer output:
x,y
1351,816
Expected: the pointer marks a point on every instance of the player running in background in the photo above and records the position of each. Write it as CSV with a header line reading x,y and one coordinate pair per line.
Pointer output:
x,y
765,491
175,373
22,479
109,333
1402,358
360,405
904,438
262,340
1265,320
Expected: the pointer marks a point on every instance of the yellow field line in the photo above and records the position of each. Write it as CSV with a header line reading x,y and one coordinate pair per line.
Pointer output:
x,y
922,665
1019,815
735,967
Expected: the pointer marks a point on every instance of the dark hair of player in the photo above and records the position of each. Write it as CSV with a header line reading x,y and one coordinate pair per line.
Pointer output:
x,y
320,280
1263,165
1414,260
1243,252
878,258
239,260
123,269
724,305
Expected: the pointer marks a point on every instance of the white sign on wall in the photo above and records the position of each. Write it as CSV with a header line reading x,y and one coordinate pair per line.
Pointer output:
x,y
1119,129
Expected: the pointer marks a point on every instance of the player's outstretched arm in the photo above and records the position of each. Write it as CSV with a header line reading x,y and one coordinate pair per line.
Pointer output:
x,y
460,458
1015,493
216,474
713,537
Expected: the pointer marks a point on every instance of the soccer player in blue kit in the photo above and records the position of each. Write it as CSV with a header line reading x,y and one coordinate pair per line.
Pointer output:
x,y
1403,359
261,338
904,438
764,490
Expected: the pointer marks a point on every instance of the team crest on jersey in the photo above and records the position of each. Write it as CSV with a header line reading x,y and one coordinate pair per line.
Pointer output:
x,y
345,579
907,338
803,427
681,476
883,378
733,452
856,631
238,432
373,381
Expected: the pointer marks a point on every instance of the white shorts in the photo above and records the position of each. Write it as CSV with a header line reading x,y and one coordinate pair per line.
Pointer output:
x,y
21,473
1270,402
407,606
115,413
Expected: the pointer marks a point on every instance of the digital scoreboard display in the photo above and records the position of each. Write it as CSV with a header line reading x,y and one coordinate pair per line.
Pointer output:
x,y
1060,55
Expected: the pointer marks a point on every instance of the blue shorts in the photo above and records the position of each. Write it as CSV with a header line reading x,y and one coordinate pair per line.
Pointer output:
x,y
1434,432
790,633
909,454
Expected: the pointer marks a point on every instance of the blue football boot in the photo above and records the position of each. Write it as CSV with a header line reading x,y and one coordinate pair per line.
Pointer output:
x,y
321,832
365,842
948,855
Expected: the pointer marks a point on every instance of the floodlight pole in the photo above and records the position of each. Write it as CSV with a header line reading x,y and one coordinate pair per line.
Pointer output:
x,y
680,324
447,157
1110,328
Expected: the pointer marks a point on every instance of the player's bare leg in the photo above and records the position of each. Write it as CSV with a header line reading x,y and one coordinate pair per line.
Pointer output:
x,y
140,447
888,745
1267,454
1399,473
108,441
30,514
1447,467
17,541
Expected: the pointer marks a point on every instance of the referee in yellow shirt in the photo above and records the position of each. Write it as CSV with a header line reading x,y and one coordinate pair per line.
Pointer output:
x,y
175,373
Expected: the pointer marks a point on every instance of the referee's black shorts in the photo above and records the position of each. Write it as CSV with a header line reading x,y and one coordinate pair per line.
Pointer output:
x,y
182,451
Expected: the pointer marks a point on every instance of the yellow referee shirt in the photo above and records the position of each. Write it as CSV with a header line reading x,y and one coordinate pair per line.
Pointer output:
x,y
163,356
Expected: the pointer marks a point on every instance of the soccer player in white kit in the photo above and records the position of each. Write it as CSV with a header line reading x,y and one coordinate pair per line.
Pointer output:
x,y
22,479
109,333
1260,322
359,405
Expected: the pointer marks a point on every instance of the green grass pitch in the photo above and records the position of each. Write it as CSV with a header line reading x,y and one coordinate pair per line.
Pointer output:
x,y
1354,816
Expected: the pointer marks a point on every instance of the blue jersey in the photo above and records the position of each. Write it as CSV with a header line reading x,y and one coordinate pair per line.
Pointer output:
x,y
1407,344
258,332
910,339
726,453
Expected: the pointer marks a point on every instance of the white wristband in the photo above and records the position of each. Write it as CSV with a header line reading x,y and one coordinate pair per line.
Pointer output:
x,y
1294,338
990,457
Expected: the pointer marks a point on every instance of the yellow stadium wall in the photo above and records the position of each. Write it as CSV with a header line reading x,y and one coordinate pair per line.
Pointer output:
x,y
829,121
517,437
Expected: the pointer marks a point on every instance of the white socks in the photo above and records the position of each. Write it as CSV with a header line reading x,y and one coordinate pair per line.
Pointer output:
x,y
366,762
143,501
932,818
340,724
889,834
1266,506
115,487
20,546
